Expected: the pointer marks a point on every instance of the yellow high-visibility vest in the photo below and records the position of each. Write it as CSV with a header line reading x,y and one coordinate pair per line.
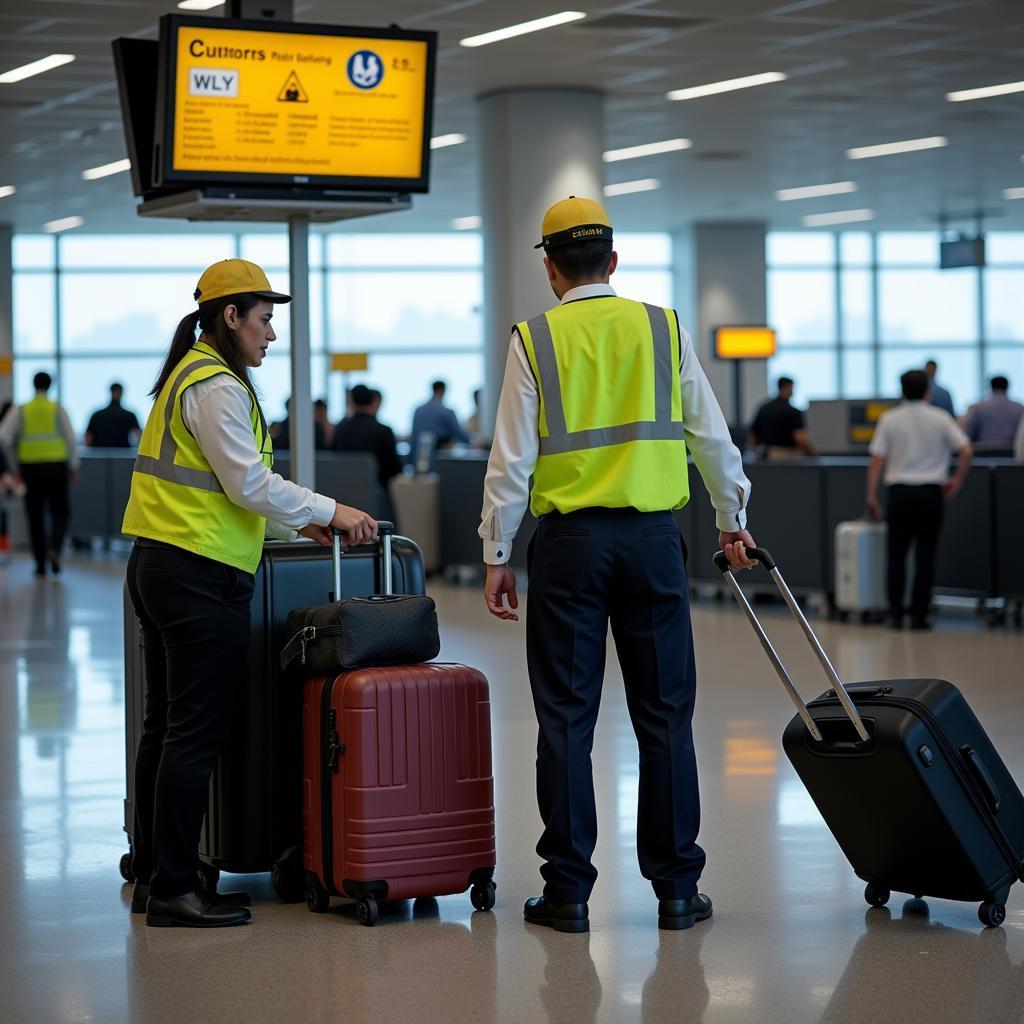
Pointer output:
x,y
176,497
39,437
611,408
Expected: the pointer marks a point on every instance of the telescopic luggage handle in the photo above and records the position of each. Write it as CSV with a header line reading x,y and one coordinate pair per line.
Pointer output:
x,y
764,556
385,531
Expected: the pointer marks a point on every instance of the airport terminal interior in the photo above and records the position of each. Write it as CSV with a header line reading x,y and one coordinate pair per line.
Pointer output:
x,y
828,192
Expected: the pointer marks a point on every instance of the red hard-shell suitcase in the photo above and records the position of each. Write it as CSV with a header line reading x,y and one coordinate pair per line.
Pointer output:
x,y
398,791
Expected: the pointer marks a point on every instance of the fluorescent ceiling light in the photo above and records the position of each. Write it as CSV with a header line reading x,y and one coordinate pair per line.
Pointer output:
x,y
64,224
891,148
441,141
551,21
37,67
729,85
837,188
1008,193
106,169
200,5
7,190
820,220
467,223
985,92
624,188
650,149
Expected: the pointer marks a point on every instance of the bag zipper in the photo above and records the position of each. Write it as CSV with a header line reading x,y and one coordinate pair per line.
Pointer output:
x,y
952,756
328,722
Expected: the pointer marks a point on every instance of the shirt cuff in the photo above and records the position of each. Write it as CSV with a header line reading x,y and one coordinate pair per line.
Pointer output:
x,y
731,520
323,510
497,552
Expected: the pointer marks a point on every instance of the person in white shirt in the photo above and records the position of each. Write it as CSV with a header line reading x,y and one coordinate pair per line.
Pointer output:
x,y
913,446
602,397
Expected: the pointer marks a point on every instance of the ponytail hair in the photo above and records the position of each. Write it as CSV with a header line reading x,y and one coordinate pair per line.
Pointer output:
x,y
209,319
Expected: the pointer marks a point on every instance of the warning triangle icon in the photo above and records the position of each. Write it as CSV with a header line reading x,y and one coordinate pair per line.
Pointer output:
x,y
292,91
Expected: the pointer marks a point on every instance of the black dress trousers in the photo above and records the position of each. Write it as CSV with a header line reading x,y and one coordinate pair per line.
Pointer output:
x,y
587,568
46,487
914,516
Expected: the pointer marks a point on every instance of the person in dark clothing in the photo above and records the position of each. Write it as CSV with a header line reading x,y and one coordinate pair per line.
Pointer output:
x,y
362,432
778,428
113,426
280,432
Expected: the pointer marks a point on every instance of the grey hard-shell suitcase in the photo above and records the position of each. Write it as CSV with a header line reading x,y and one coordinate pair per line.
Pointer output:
x,y
905,777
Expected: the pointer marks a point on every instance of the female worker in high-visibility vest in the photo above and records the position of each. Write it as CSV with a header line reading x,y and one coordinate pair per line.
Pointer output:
x,y
203,498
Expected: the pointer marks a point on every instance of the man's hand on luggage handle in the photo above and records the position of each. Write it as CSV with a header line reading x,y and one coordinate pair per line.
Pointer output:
x,y
735,547
874,510
501,582
358,527
321,534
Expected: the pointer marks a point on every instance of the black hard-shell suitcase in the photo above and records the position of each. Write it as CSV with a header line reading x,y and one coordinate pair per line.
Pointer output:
x,y
905,777
254,817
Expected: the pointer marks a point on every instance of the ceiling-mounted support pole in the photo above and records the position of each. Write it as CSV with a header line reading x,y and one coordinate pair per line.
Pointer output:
x,y
300,413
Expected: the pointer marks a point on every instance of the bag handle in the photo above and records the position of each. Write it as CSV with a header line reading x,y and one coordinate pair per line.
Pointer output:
x,y
385,530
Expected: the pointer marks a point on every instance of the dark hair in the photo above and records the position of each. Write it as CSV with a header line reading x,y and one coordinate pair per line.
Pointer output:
x,y
221,337
915,385
438,385
785,382
42,381
931,362
376,395
320,404
582,261
116,386
361,396
1000,383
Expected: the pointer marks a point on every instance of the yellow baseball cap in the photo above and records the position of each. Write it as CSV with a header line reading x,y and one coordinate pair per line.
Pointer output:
x,y
235,277
574,220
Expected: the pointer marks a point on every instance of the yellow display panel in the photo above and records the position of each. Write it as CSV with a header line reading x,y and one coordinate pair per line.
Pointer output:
x,y
744,342
250,102
348,362
6,365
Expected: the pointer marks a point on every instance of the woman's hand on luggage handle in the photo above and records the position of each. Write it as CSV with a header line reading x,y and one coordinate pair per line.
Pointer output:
x,y
358,527
321,534
735,547
501,582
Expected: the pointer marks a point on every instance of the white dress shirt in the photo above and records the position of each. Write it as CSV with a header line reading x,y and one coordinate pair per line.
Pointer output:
x,y
917,441
517,443
217,412
10,432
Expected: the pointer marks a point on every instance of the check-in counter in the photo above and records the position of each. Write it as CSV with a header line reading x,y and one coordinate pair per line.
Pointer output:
x,y
1008,499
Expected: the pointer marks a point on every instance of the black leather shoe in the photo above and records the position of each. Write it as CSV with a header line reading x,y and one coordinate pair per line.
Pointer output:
x,y
674,915
193,910
55,563
920,625
895,621
563,917
140,894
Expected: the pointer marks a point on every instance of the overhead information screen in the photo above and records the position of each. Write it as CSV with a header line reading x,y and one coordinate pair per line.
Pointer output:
x,y
296,104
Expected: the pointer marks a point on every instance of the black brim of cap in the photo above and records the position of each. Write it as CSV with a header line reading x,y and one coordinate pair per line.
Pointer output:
x,y
274,296
573,235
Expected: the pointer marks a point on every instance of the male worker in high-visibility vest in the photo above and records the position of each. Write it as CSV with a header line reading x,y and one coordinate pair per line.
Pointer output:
x,y
41,448
601,400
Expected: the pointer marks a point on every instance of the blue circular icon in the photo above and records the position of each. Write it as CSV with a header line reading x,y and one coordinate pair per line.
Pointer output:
x,y
365,69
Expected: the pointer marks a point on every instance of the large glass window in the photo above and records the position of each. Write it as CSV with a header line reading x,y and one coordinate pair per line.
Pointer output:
x,y
926,306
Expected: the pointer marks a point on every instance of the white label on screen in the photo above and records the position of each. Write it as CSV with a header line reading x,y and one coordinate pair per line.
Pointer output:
x,y
213,82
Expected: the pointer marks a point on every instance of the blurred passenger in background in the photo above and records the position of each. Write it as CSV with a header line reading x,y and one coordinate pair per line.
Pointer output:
x,y
323,429
362,432
113,426
778,431
280,432
1018,446
6,476
41,449
994,420
436,419
940,397
913,444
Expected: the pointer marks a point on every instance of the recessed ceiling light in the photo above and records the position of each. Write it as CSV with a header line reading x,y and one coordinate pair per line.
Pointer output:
x,y
624,188
891,148
200,5
729,85
820,220
467,223
37,67
649,149
7,190
985,92
64,224
551,21
1013,193
837,188
106,169
441,141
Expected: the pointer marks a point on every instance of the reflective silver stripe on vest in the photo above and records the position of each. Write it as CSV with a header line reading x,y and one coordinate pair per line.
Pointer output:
x,y
560,440
164,467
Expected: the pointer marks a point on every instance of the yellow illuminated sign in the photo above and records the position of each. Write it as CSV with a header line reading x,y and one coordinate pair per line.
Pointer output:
x,y
347,362
744,342
288,103
6,365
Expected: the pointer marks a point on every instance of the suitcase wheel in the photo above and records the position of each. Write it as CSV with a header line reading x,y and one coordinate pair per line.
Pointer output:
x,y
367,912
992,915
483,895
317,898
125,867
877,895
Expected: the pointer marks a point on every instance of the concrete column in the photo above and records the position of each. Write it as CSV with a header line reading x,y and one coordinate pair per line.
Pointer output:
x,y
720,280
6,307
300,413
537,146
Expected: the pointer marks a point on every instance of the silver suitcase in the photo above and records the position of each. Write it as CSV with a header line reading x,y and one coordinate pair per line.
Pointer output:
x,y
860,570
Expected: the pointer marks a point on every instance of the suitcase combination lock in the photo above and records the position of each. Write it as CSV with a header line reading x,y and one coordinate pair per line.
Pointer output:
x,y
335,748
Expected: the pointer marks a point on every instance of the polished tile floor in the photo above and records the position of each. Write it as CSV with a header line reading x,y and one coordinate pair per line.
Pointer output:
x,y
791,940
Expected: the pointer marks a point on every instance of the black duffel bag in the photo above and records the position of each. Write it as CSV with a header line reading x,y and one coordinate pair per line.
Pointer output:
x,y
356,632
